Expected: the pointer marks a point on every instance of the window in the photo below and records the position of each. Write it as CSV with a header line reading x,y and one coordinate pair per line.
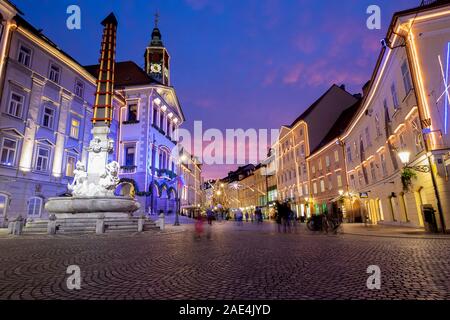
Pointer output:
x,y
320,164
377,124
301,132
352,181
383,164
327,161
417,134
132,112
330,183
322,186
54,73
355,150
79,88
339,180
8,155
34,207
315,187
155,116
368,140
15,105
74,128
304,169
161,121
402,141
70,165
349,154
306,191
302,150
48,117
42,159
406,78
313,169
336,156
394,96
373,171
360,177
169,127
130,151
24,56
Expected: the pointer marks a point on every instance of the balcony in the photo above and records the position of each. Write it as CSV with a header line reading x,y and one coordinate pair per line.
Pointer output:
x,y
128,169
134,121
166,173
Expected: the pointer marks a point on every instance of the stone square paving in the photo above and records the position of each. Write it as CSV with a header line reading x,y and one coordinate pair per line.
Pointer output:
x,y
248,262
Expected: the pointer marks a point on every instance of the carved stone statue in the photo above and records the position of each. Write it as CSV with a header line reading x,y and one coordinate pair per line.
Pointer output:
x,y
110,179
79,185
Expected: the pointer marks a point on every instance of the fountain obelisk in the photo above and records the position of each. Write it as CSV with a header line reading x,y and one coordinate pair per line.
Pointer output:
x,y
93,190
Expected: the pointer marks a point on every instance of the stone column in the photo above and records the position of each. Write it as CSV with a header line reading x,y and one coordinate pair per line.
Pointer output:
x,y
100,224
32,122
51,226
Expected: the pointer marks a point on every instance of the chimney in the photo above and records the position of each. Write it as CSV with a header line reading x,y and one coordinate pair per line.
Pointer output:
x,y
365,88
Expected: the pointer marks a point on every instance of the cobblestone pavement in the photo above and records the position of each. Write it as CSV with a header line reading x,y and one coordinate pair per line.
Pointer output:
x,y
249,262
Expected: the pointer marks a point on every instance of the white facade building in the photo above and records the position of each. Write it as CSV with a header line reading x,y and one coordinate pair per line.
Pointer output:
x,y
46,97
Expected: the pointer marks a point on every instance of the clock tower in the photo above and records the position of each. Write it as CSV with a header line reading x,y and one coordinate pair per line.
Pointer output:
x,y
157,59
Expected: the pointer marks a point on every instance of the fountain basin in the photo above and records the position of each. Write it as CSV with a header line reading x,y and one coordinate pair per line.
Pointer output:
x,y
91,207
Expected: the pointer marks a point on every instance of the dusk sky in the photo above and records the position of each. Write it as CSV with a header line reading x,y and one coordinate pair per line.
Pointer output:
x,y
234,63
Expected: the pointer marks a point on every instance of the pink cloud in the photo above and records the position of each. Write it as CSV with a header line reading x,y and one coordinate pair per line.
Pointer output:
x,y
293,74
305,43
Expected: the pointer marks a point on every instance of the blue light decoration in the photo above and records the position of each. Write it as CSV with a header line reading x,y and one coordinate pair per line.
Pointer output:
x,y
446,88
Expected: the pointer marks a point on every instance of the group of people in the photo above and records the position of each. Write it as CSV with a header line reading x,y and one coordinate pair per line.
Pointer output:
x,y
285,217
256,216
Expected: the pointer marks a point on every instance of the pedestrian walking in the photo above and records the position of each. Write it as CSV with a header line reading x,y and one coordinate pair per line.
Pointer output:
x,y
199,227
246,216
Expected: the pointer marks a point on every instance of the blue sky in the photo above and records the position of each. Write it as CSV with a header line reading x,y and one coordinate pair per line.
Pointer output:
x,y
235,63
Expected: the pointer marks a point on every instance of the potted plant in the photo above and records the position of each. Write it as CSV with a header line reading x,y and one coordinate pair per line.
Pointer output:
x,y
407,176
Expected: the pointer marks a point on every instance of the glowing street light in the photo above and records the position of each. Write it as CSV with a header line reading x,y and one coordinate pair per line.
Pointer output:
x,y
404,157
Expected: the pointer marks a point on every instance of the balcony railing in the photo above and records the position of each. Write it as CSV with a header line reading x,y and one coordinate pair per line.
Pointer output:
x,y
166,173
128,169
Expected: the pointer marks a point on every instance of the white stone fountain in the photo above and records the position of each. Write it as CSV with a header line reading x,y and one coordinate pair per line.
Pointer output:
x,y
93,205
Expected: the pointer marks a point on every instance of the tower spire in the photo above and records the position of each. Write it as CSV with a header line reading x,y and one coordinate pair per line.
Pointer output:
x,y
105,80
156,19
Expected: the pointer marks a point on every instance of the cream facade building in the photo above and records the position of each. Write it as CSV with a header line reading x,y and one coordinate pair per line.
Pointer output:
x,y
405,111
296,141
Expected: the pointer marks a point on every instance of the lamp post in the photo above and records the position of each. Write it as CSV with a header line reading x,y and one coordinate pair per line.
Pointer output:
x,y
180,185
404,158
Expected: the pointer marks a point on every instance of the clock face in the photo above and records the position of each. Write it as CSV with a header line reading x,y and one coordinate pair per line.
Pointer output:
x,y
155,68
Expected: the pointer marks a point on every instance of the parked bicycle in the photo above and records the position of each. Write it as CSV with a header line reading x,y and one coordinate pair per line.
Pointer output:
x,y
323,222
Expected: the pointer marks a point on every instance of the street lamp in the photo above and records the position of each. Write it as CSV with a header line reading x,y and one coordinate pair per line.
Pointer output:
x,y
404,158
177,212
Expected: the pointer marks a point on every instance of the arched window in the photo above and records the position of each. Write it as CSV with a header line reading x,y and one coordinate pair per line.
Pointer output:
x,y
34,207
4,201
164,160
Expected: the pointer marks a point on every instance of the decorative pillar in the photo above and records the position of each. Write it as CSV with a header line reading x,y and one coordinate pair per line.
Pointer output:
x,y
32,123
65,101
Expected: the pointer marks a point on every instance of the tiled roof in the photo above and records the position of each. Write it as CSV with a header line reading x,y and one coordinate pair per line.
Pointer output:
x,y
340,125
313,106
126,73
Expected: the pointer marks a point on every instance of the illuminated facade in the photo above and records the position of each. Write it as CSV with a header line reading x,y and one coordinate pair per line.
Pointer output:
x,y
147,131
327,168
405,111
46,105
46,97
191,194
295,142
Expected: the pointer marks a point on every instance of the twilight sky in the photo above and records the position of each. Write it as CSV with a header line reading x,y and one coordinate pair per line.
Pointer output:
x,y
235,63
